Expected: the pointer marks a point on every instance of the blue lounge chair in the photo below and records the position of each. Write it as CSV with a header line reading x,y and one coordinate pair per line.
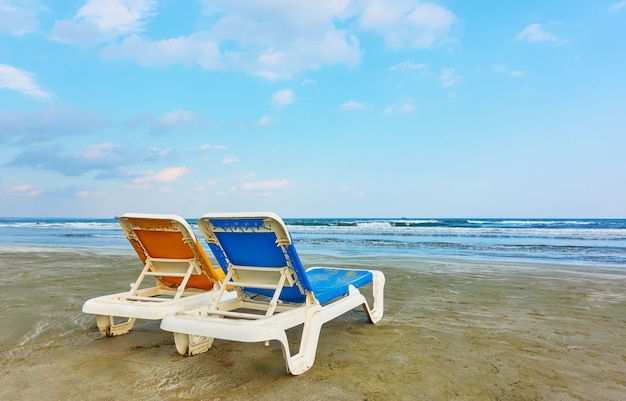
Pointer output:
x,y
275,293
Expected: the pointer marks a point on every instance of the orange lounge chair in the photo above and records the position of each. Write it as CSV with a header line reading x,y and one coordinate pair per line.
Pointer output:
x,y
171,253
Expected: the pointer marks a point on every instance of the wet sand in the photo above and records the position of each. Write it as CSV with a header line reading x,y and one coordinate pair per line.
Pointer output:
x,y
453,330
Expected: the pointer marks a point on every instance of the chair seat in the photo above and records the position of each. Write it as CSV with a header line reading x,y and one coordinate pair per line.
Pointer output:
x,y
326,283
329,283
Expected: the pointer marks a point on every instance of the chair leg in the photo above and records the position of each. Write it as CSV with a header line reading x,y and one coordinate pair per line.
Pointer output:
x,y
378,289
107,325
191,344
304,359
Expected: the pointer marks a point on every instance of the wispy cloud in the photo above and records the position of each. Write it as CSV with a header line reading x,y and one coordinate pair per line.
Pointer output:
x,y
213,147
166,122
535,33
353,192
283,97
102,20
166,175
51,123
19,17
27,190
229,159
175,119
617,6
197,49
408,24
293,36
266,187
352,105
449,77
408,65
22,81
205,186
89,194
404,106
502,69
97,157
263,121
97,151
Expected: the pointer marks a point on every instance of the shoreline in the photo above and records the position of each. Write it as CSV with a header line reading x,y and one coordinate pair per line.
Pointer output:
x,y
307,257
453,329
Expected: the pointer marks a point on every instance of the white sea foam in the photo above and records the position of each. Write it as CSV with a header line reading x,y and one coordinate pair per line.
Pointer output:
x,y
585,241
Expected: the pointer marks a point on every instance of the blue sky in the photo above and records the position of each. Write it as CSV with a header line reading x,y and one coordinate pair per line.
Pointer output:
x,y
313,109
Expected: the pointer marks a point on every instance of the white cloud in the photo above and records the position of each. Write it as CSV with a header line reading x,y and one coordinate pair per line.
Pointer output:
x,y
617,6
274,40
89,194
116,15
536,33
349,106
199,48
19,17
166,175
263,121
216,147
24,190
204,187
98,151
502,69
283,97
21,81
101,20
170,174
354,192
175,119
154,152
104,159
408,24
405,106
168,121
449,78
229,159
50,123
261,186
408,66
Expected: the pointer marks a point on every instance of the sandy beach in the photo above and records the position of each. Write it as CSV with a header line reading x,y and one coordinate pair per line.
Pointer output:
x,y
453,330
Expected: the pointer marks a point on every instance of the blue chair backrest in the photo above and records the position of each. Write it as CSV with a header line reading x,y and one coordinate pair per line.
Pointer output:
x,y
249,241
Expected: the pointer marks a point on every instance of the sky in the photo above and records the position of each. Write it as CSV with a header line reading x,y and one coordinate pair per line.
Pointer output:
x,y
345,108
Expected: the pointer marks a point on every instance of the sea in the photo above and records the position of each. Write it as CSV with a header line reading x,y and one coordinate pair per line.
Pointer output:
x,y
589,242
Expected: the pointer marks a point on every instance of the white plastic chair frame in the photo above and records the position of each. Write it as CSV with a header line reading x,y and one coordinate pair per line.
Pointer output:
x,y
224,320
163,293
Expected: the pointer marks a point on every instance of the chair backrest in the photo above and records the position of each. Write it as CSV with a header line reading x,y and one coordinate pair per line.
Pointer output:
x,y
169,237
255,240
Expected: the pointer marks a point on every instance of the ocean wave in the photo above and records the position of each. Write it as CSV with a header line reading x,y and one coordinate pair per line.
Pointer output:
x,y
583,240
580,253
385,228
62,225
